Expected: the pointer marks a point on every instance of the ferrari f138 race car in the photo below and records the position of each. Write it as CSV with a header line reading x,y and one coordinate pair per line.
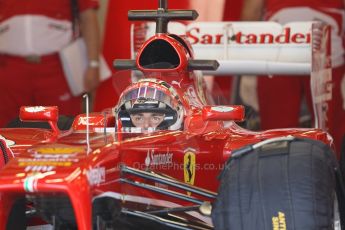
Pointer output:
x,y
164,158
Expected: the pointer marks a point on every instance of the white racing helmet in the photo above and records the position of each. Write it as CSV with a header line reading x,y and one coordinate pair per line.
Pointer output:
x,y
150,96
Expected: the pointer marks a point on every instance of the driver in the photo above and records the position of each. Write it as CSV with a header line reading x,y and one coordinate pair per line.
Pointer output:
x,y
146,113
149,105
147,120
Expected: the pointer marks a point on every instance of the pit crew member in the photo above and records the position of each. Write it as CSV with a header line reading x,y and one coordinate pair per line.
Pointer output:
x,y
280,97
31,34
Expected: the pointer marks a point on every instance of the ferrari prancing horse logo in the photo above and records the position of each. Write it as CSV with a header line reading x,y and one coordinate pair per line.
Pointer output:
x,y
189,167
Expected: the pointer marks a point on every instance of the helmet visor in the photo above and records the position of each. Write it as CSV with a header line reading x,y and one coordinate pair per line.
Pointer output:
x,y
147,93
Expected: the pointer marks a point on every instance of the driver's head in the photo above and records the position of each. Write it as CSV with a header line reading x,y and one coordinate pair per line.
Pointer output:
x,y
148,113
148,105
147,120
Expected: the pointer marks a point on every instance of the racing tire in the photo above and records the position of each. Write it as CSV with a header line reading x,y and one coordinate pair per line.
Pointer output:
x,y
282,185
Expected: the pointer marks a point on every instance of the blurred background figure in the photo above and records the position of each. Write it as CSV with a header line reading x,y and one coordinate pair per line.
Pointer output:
x,y
225,87
31,35
230,87
212,11
279,98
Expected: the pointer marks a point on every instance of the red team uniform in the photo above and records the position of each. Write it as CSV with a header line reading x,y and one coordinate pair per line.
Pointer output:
x,y
280,97
31,34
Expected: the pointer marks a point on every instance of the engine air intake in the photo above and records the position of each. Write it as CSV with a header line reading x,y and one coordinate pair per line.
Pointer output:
x,y
159,54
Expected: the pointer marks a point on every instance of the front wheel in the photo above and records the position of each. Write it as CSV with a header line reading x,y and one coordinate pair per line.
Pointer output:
x,y
281,185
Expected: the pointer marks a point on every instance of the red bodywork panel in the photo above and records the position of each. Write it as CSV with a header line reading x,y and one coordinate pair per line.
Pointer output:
x,y
63,166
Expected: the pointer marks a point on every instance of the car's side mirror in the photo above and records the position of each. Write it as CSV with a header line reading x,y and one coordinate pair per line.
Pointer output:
x,y
49,114
223,113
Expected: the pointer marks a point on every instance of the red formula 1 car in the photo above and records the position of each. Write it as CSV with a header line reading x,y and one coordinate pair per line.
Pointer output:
x,y
165,159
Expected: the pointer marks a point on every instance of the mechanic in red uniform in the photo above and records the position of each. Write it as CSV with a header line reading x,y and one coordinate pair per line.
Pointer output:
x,y
280,97
31,34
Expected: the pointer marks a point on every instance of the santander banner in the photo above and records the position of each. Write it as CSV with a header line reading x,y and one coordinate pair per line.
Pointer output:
x,y
285,37
267,41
